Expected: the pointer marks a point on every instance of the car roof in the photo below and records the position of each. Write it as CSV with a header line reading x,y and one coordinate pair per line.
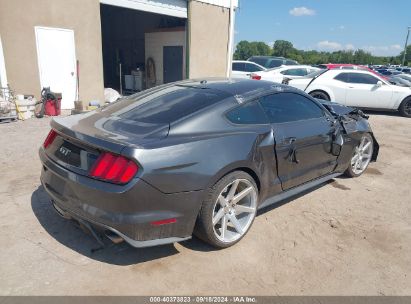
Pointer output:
x,y
242,89
351,71
268,57
288,67
248,62
244,61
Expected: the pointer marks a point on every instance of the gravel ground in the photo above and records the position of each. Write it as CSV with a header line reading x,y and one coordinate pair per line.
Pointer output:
x,y
347,237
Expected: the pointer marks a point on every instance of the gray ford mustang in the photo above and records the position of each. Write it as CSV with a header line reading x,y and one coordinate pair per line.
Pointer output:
x,y
198,157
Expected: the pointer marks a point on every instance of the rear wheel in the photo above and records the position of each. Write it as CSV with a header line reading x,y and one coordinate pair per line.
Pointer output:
x,y
405,107
320,95
229,211
361,157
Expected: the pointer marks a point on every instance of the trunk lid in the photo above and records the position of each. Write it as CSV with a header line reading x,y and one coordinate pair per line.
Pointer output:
x,y
82,137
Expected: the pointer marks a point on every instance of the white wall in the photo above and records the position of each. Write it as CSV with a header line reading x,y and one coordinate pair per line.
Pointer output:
x,y
3,75
154,43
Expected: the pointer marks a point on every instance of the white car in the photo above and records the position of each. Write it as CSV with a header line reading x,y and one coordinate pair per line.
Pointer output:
x,y
356,88
243,69
280,73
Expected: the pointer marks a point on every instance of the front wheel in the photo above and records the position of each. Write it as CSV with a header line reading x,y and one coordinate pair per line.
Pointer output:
x,y
361,156
319,95
405,107
229,211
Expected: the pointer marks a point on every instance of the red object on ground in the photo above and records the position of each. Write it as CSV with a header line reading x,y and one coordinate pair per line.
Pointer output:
x,y
53,107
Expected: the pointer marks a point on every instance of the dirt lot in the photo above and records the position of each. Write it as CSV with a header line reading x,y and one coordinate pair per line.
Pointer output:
x,y
347,237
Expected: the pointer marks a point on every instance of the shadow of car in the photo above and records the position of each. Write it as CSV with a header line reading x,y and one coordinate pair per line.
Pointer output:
x,y
73,237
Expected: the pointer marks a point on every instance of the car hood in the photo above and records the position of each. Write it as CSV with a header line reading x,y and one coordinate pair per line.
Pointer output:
x,y
336,108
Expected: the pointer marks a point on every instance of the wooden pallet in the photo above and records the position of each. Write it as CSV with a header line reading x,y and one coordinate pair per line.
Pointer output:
x,y
6,119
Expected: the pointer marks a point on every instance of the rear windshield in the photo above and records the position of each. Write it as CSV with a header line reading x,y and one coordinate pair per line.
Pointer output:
x,y
169,104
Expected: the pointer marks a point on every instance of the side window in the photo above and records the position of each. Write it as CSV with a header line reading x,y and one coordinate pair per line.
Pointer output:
x,y
288,107
342,77
249,67
275,63
238,66
291,62
362,78
295,72
248,113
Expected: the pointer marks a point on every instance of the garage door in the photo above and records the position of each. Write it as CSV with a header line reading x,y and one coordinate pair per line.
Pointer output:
x,y
175,8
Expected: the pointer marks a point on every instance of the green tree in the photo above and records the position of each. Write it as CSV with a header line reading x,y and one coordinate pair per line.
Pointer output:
x,y
243,50
246,49
283,48
262,48
407,55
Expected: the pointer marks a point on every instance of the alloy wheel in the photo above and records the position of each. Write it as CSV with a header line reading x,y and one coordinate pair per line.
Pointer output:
x,y
362,155
234,210
407,107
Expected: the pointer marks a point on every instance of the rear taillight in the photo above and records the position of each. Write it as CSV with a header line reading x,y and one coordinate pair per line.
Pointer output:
x,y
50,138
114,168
255,77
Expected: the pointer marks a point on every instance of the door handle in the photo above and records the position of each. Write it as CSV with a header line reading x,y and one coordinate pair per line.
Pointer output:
x,y
292,154
289,140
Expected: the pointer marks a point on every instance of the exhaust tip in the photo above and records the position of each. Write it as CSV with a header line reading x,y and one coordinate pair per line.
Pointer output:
x,y
115,238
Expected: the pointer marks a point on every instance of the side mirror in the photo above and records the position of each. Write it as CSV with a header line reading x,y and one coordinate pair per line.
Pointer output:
x,y
379,83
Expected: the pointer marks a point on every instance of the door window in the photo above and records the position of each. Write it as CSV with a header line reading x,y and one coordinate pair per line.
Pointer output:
x,y
275,63
238,66
288,107
249,113
362,78
295,72
357,78
342,77
249,67
291,62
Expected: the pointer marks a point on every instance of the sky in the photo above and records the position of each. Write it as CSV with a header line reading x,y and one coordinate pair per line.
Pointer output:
x,y
377,26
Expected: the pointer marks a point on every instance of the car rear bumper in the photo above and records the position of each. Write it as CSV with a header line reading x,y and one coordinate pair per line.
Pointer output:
x,y
126,210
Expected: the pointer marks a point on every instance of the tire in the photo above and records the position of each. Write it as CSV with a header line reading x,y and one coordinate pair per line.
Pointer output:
x,y
237,217
405,107
320,95
361,156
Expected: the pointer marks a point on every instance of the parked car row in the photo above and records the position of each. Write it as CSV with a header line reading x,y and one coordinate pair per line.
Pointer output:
x,y
348,84
243,69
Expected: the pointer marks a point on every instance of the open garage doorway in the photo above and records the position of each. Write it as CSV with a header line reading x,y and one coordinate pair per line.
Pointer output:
x,y
141,49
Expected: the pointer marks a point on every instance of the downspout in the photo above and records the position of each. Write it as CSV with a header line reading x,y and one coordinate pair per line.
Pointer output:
x,y
230,45
188,40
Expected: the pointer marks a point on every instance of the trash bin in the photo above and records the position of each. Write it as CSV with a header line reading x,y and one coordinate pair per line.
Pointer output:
x,y
53,105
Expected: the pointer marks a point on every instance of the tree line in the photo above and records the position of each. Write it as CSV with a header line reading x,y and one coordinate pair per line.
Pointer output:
x,y
282,48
